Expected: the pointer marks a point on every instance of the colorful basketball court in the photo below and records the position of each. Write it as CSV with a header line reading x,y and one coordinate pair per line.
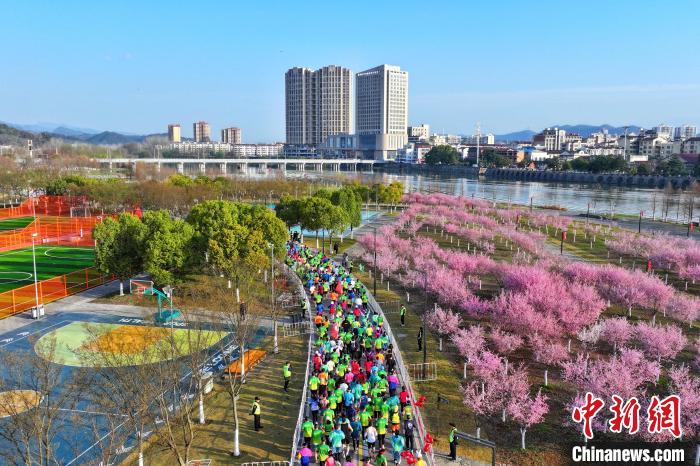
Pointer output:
x,y
78,340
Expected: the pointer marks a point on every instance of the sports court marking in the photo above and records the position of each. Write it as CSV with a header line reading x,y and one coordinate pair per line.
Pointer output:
x,y
7,281
215,360
23,335
69,255
21,401
79,344
97,413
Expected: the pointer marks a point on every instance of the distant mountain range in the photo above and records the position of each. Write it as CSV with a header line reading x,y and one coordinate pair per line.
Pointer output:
x,y
582,130
45,131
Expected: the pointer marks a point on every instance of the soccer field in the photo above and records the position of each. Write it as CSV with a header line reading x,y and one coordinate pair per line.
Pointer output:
x,y
17,269
15,223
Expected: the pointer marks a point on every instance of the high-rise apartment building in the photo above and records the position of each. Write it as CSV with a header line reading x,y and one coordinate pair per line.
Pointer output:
x,y
231,135
174,133
684,132
381,111
201,131
318,104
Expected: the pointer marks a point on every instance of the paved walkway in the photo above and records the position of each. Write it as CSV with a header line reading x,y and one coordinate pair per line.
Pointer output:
x,y
359,454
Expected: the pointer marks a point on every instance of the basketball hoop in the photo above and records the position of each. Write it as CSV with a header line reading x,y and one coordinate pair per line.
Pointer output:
x,y
138,287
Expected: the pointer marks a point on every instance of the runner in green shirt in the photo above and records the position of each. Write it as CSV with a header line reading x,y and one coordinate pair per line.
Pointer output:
x,y
317,436
365,417
324,452
308,428
381,429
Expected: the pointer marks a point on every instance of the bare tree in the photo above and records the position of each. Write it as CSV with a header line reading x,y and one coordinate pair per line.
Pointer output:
x,y
39,403
123,387
177,394
243,326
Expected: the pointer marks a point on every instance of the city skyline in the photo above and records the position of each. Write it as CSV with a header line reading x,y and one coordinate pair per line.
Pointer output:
x,y
127,80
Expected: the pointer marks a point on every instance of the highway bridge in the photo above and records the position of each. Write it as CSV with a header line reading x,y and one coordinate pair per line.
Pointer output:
x,y
223,166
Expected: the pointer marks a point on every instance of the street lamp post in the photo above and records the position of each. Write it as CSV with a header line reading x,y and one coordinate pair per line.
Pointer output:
x,y
275,348
374,272
36,283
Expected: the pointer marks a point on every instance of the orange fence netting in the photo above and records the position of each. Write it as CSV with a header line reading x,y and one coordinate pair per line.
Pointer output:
x,y
45,205
75,231
24,298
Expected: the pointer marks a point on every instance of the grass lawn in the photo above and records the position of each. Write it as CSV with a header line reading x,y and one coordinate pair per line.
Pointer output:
x,y
17,269
15,223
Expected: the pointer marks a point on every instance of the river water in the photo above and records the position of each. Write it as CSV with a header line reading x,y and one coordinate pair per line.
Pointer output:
x,y
575,198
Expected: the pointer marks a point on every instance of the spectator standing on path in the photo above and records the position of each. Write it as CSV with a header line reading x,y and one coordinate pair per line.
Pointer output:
x,y
408,433
402,313
255,411
453,442
287,372
420,339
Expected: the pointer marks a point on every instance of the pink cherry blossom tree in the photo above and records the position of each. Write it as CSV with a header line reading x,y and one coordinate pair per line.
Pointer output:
x,y
683,307
528,411
617,331
687,387
483,400
443,322
548,353
660,342
505,342
469,341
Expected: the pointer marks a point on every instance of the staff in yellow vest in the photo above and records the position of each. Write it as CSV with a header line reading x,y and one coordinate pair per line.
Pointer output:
x,y
255,411
287,373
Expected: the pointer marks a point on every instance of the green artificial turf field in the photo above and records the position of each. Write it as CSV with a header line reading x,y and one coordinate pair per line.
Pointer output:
x,y
16,268
15,223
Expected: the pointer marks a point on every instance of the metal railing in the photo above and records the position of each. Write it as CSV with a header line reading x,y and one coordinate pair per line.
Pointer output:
x,y
296,439
418,417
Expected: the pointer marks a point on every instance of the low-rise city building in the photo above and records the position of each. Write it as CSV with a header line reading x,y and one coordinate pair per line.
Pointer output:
x,y
419,133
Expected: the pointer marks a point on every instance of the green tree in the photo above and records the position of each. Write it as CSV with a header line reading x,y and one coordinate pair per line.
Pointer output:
x,y
390,194
56,187
288,209
348,200
580,164
165,246
554,163
179,180
234,236
642,169
696,169
443,154
119,246
490,158
675,167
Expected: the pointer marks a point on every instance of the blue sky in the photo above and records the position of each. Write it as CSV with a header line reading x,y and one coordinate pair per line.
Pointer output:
x,y
135,66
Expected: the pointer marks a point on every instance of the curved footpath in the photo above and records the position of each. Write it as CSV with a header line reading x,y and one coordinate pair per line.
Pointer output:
x,y
358,398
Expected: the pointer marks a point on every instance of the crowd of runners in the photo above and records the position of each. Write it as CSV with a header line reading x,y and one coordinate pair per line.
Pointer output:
x,y
359,413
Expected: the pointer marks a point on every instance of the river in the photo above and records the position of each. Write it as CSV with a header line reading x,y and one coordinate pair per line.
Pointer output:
x,y
575,198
